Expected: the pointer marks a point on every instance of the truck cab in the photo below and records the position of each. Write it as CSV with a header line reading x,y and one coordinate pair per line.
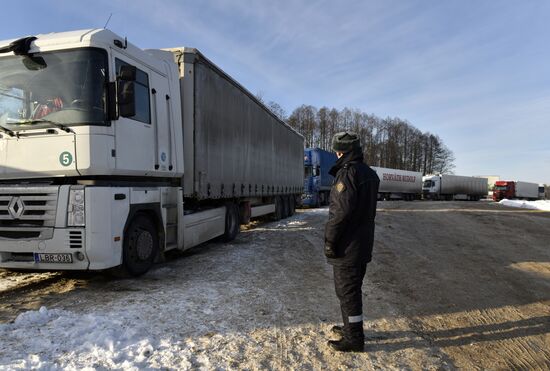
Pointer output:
x,y
542,192
504,189
86,127
317,180
431,185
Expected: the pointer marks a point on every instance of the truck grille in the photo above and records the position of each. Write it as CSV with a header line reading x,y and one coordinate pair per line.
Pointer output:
x,y
27,212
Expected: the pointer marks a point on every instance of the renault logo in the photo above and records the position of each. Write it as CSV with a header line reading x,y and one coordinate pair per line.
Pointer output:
x,y
16,207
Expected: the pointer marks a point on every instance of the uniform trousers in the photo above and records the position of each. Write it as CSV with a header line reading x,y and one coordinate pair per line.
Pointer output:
x,y
348,280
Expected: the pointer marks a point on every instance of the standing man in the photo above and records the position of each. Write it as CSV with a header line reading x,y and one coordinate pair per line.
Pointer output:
x,y
349,235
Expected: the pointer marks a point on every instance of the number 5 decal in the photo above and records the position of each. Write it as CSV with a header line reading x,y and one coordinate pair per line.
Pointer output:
x,y
65,158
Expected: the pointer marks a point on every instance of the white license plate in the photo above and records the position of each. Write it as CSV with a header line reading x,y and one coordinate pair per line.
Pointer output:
x,y
53,258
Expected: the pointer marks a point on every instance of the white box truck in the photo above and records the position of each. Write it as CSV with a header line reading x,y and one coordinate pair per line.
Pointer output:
x,y
111,155
454,187
398,184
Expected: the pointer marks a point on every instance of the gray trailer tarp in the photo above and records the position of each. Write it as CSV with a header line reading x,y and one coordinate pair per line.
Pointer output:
x,y
240,148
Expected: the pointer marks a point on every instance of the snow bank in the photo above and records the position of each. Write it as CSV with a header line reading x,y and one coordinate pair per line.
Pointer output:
x,y
55,339
535,205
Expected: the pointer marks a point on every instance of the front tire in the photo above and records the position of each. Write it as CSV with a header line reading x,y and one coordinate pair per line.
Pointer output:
x,y
141,245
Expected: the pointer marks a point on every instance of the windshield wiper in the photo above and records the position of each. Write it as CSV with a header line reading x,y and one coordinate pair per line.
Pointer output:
x,y
4,129
52,123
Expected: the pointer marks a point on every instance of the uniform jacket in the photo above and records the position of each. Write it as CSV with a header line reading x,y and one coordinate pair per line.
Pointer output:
x,y
349,232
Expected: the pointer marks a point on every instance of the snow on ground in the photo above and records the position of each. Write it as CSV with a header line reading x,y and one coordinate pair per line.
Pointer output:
x,y
264,301
192,313
535,205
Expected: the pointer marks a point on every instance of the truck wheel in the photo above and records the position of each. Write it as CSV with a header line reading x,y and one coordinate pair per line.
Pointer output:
x,y
286,207
292,203
278,214
141,245
232,222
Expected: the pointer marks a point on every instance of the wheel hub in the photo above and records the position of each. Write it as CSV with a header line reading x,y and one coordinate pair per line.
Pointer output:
x,y
144,245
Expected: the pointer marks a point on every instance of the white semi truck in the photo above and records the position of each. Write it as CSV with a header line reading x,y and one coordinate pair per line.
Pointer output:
x,y
398,184
111,155
454,187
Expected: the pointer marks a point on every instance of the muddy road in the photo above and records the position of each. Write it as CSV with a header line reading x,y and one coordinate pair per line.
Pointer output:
x,y
452,285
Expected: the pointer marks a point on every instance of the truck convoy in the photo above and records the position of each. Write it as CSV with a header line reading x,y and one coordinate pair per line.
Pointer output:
x,y
454,187
394,183
398,184
510,189
317,180
111,155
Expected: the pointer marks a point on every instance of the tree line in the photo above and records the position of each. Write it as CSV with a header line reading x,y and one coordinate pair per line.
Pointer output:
x,y
387,142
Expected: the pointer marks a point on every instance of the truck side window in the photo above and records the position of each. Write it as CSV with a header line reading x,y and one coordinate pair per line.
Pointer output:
x,y
143,111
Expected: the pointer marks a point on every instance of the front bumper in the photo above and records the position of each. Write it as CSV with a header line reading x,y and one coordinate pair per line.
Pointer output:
x,y
19,254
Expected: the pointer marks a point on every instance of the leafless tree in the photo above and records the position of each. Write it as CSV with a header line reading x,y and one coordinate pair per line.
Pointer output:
x,y
391,142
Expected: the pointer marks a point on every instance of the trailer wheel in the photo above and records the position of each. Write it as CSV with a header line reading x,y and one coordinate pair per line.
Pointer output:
x,y
140,246
286,207
278,214
292,204
232,222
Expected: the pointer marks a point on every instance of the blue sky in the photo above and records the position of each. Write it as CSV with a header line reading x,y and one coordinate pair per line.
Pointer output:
x,y
474,72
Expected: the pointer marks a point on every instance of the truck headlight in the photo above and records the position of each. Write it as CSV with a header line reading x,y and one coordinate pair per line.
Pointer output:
x,y
75,209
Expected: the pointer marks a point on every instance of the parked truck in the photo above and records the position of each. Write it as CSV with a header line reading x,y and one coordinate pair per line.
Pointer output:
x,y
317,180
111,155
542,192
511,189
454,187
398,184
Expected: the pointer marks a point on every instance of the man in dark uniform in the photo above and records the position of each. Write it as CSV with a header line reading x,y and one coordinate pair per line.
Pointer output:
x,y
349,235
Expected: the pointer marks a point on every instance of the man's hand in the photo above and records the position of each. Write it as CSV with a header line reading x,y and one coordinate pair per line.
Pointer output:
x,y
329,252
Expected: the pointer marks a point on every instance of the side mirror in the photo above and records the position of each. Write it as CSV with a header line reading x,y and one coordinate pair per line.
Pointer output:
x,y
34,63
127,73
126,98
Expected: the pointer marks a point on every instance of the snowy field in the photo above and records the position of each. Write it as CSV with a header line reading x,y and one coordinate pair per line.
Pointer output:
x,y
534,205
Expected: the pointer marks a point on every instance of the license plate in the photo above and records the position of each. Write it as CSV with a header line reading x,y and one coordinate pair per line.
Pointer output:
x,y
53,258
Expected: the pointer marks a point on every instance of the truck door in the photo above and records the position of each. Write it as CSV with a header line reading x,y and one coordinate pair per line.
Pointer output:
x,y
134,135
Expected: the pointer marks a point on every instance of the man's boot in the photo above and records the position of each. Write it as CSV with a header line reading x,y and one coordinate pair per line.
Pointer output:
x,y
353,339
337,330
347,345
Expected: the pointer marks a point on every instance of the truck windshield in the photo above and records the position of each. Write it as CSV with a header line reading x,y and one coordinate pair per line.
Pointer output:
x,y
61,87
499,188
428,184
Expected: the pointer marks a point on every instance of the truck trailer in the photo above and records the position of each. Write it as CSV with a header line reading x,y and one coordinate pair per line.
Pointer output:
x,y
398,184
111,155
454,187
511,189
317,180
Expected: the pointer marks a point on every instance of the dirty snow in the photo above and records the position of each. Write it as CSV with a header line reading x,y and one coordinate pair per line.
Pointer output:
x,y
535,205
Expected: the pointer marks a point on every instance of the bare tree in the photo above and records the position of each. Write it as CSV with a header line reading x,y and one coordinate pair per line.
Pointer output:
x,y
389,142
277,110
